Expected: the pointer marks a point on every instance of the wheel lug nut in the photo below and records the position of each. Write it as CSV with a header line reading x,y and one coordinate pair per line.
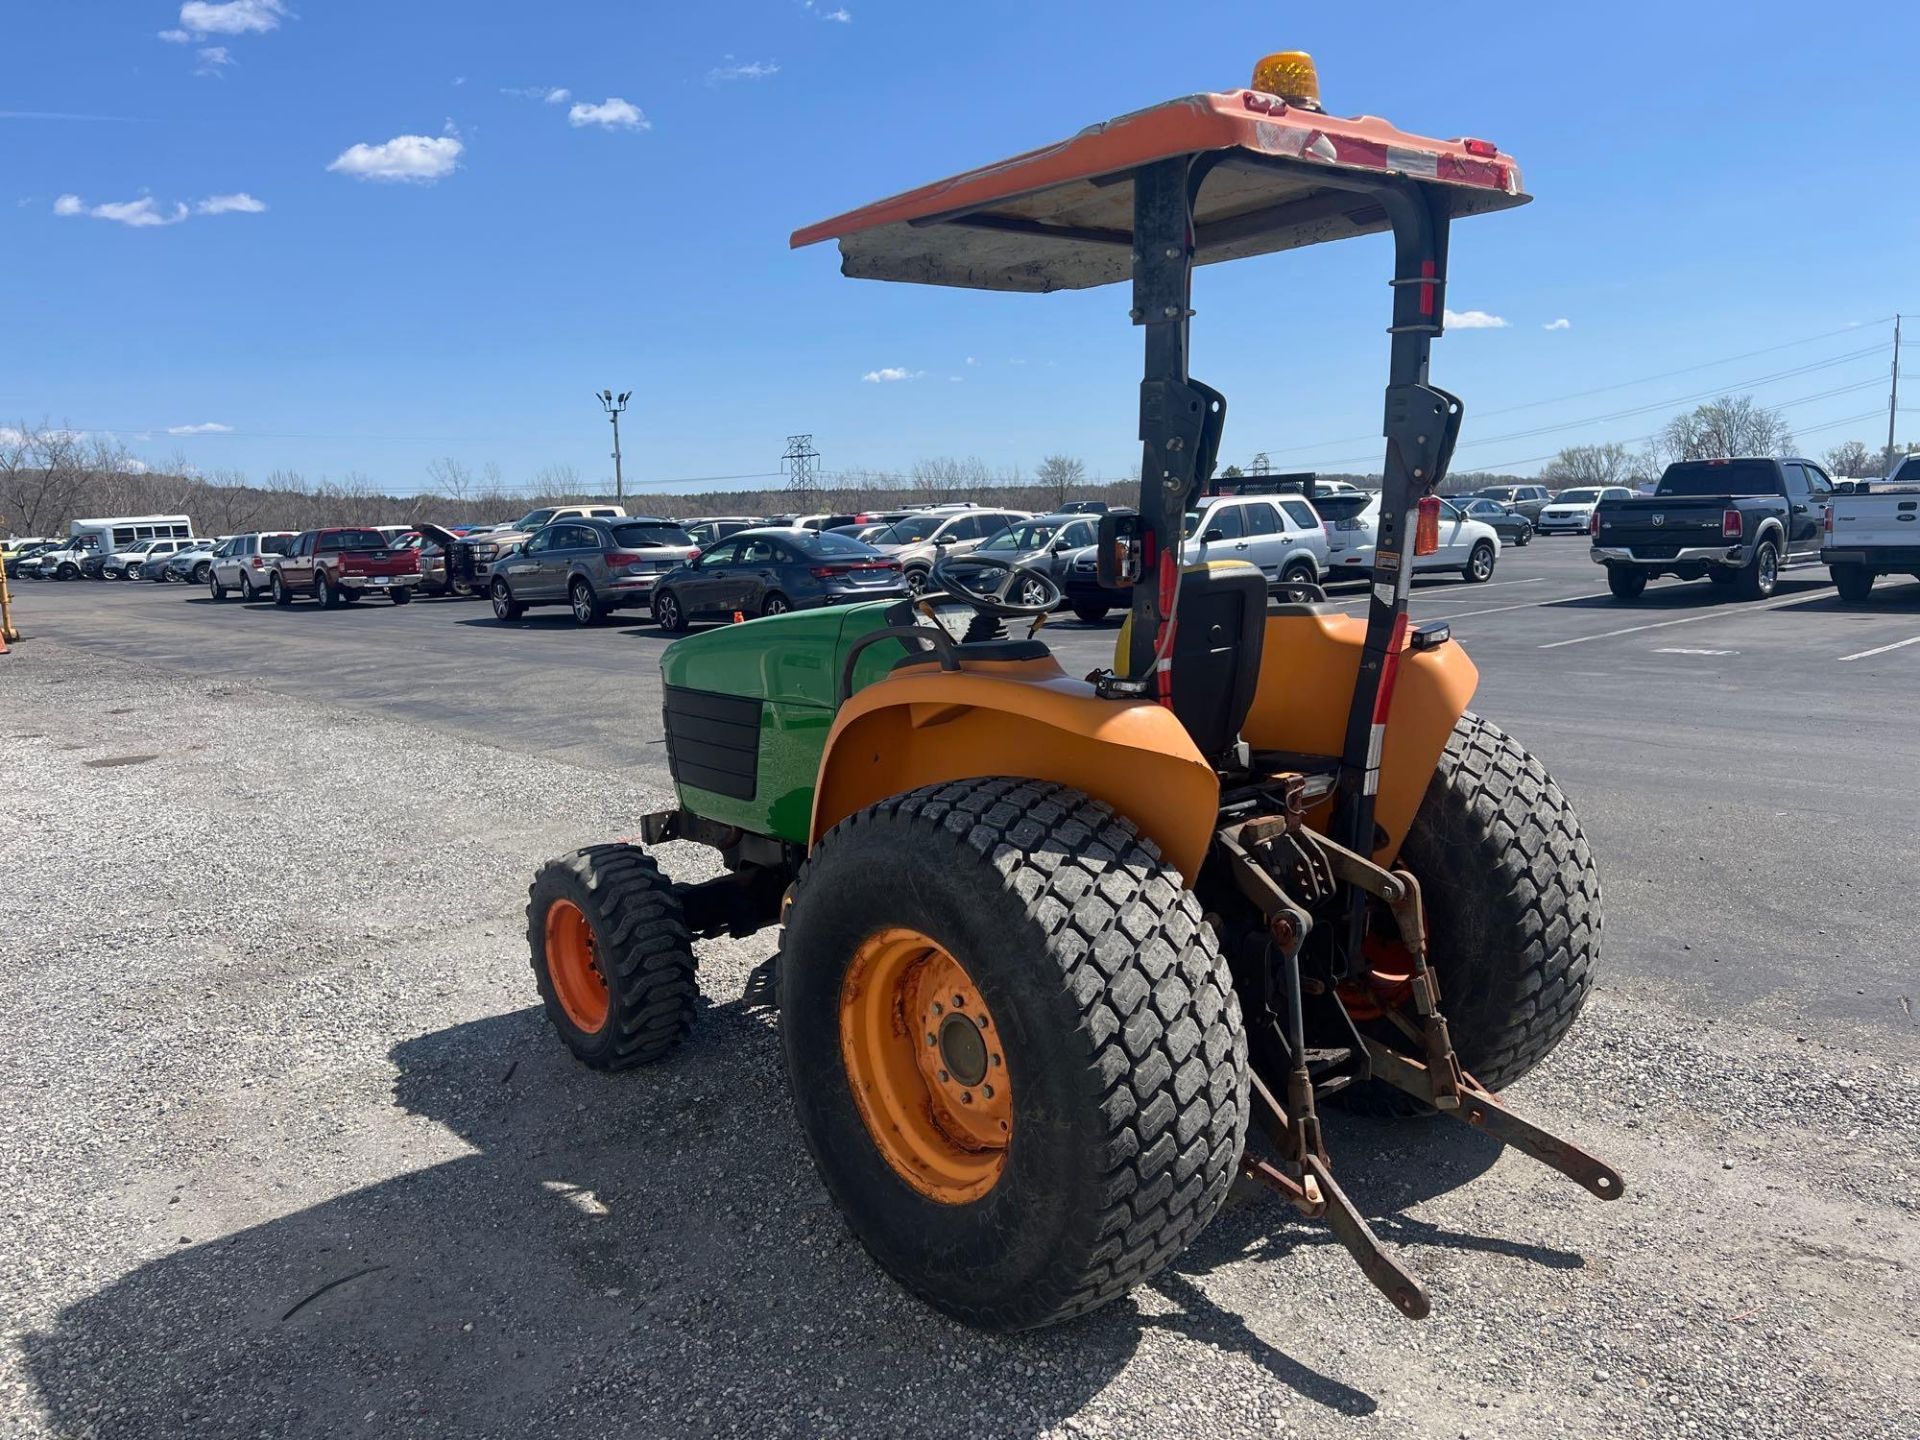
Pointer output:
x,y
931,1040
943,1077
936,1007
966,1097
959,1001
987,1090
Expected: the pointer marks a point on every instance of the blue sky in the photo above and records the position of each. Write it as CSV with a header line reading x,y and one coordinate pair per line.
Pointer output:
x,y
1705,186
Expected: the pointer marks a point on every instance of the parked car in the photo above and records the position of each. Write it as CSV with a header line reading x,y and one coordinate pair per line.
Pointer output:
x,y
918,539
26,552
62,562
244,563
1282,534
471,557
337,566
769,572
705,530
125,564
592,566
1873,529
1571,511
1083,507
1734,521
192,563
14,549
1046,543
1510,525
1466,544
1527,500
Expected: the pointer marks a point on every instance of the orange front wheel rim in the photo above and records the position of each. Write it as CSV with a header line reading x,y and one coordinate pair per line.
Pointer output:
x,y
927,1066
573,964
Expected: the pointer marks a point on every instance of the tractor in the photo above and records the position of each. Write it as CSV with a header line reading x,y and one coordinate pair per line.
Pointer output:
x,y
1050,947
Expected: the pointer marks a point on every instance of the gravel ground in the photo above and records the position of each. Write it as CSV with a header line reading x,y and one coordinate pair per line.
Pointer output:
x,y
289,1152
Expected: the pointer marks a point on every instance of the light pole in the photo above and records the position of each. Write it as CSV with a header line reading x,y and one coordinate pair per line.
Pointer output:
x,y
615,406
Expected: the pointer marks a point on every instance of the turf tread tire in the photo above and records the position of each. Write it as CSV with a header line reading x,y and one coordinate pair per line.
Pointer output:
x,y
1512,901
644,948
1142,1035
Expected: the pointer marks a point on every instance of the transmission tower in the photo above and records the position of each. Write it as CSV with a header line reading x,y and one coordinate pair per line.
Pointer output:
x,y
801,462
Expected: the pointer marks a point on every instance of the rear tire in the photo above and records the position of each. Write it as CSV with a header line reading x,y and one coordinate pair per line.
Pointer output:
x,y
776,604
402,596
1512,904
586,609
630,1000
1124,1056
506,609
325,593
1762,573
1724,579
1854,582
1092,614
247,593
1625,582
1479,566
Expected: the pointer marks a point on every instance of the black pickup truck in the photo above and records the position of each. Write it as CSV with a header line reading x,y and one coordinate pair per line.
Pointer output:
x,y
1735,521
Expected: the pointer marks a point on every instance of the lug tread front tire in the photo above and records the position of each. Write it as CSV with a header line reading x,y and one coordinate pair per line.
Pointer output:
x,y
643,947
1129,1011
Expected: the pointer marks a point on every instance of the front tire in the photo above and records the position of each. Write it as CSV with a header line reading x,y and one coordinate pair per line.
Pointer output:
x,y
215,588
1854,582
1300,572
1095,984
1762,574
916,581
282,596
1091,614
325,593
1512,907
612,956
667,613
1625,582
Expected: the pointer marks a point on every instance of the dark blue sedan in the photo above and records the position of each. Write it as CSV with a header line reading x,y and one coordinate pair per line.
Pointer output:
x,y
772,571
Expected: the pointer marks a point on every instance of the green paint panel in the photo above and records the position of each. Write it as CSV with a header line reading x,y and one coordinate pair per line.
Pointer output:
x,y
792,663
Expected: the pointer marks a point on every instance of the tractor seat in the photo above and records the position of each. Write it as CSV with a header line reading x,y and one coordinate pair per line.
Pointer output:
x,y
1218,635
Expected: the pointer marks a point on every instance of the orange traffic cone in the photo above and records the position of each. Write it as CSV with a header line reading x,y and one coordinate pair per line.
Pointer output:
x,y
738,618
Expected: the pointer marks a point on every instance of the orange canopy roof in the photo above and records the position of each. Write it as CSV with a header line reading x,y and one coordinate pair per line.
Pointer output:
x,y
1061,217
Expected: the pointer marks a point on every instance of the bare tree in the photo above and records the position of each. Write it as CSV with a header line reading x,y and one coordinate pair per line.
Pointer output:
x,y
1852,459
1608,464
557,482
450,477
1059,474
1730,425
945,478
42,476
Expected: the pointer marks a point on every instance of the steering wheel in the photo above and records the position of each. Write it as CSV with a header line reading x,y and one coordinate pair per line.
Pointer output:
x,y
1022,593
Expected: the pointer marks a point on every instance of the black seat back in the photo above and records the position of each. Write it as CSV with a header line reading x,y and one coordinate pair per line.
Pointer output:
x,y
1219,631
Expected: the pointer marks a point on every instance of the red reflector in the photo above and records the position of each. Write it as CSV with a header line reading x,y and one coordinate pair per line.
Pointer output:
x,y
1485,149
1426,529
1732,524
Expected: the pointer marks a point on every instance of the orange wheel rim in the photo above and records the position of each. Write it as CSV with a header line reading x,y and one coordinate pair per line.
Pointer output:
x,y
925,1061
574,966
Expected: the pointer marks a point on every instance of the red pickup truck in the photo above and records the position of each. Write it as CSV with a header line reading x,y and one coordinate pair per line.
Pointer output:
x,y
338,566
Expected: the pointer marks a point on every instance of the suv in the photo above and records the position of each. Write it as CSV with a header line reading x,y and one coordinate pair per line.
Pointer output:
x,y
1571,511
592,566
243,562
1281,534
921,538
1527,500
710,529
470,562
337,566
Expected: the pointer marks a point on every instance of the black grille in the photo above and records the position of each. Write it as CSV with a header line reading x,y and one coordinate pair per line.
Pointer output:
x,y
713,741
1655,552
460,562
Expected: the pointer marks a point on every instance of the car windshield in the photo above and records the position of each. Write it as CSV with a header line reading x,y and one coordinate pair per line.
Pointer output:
x,y
826,543
1576,497
352,540
1909,471
1022,537
910,531
1728,477
534,519
1498,492
638,537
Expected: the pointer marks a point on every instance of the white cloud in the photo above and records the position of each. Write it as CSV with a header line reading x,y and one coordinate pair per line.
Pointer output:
x,y
175,37
1473,320
747,70
890,374
413,159
612,113
551,94
839,14
239,203
232,17
1561,324
212,58
146,212
211,427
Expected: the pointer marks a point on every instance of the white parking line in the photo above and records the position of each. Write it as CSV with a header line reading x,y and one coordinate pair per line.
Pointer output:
x,y
1882,649
1529,605
1723,613
1445,592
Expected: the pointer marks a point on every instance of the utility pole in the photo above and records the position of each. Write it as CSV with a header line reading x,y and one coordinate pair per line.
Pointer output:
x,y
1893,398
799,462
616,406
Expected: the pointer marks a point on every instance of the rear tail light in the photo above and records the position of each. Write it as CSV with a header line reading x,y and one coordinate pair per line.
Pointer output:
x,y
1732,524
1426,528
1826,520
1593,521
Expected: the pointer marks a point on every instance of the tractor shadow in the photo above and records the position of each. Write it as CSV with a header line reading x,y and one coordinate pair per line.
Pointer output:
x,y
641,1254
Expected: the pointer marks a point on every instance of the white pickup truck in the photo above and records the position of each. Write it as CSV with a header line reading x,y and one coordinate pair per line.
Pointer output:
x,y
1873,529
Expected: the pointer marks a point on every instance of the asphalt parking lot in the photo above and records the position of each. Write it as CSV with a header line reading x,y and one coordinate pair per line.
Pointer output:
x,y
289,1152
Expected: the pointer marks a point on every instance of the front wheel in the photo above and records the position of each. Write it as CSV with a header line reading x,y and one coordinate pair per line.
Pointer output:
x,y
612,956
1512,907
1625,582
1524,536
1300,572
667,613
1479,566
1091,614
1854,582
916,582
1014,1049
282,596
1762,574
67,571
216,589
325,593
